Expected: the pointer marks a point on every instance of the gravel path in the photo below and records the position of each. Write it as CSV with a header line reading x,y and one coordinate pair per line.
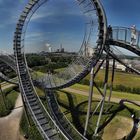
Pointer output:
x,y
9,125
113,99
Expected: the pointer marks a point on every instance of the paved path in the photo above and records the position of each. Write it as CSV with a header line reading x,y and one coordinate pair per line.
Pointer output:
x,y
9,125
97,96
7,86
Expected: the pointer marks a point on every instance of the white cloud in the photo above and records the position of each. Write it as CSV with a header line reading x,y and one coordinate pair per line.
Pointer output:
x,y
37,16
47,45
33,35
40,15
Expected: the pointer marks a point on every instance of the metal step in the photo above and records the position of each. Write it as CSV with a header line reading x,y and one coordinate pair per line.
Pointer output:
x,y
54,137
40,116
46,127
43,121
32,100
51,133
39,111
33,103
35,107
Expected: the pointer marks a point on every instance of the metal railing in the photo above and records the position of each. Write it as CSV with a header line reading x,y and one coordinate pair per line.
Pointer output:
x,y
126,36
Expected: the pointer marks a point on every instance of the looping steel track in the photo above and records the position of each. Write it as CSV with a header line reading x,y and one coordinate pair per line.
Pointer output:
x,y
45,124
48,128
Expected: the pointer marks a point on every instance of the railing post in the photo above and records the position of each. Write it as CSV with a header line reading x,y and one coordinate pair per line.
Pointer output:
x,y
117,34
138,39
125,35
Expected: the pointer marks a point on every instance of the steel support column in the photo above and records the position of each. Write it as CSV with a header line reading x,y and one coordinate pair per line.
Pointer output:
x,y
89,100
112,80
104,93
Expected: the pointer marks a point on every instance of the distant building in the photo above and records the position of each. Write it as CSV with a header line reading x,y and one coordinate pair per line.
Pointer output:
x,y
62,50
50,49
120,67
57,50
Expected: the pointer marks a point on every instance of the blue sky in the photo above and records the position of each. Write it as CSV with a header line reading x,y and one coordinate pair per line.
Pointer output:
x,y
122,12
55,24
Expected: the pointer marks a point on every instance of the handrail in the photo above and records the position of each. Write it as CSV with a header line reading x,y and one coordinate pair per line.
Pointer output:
x,y
5,78
123,27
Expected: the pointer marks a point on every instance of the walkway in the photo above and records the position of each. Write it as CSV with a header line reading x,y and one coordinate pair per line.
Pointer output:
x,y
9,125
97,96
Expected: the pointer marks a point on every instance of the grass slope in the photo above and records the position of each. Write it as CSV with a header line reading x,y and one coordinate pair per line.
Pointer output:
x,y
8,102
116,94
125,79
75,107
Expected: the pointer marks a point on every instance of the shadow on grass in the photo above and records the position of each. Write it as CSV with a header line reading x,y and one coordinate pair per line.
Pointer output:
x,y
78,110
70,106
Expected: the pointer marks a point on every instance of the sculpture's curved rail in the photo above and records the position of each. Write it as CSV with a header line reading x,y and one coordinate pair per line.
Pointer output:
x,y
8,59
136,118
5,78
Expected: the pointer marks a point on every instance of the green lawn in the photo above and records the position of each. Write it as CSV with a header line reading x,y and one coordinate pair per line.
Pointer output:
x,y
123,81
39,92
77,103
137,108
8,102
123,78
121,95
32,132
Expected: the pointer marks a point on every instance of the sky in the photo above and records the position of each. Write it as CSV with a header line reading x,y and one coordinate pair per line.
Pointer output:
x,y
60,22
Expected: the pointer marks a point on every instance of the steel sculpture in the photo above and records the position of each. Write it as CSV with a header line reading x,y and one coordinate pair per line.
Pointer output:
x,y
52,123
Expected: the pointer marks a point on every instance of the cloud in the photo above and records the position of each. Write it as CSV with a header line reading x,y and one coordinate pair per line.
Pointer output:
x,y
47,23
33,35
40,15
9,12
56,10
47,45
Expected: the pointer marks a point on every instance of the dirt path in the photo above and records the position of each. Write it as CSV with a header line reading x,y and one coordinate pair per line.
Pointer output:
x,y
113,99
118,128
7,86
9,125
